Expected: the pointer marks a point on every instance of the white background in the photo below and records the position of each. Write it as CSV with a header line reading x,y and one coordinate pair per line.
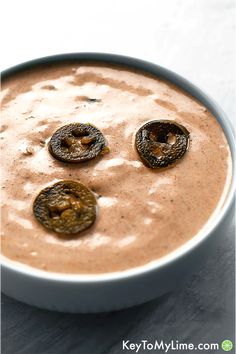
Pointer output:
x,y
192,37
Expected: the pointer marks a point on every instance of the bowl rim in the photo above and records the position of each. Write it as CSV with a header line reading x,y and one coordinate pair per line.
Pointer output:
x,y
189,246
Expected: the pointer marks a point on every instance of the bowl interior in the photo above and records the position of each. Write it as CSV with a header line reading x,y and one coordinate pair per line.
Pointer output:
x,y
215,219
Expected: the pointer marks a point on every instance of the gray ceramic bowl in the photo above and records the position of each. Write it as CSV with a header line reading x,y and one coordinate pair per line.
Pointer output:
x,y
113,291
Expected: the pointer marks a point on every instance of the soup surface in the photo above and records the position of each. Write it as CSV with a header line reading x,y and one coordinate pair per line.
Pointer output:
x,y
144,213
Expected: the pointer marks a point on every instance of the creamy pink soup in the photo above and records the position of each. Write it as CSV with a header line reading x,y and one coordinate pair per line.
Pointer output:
x,y
144,214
